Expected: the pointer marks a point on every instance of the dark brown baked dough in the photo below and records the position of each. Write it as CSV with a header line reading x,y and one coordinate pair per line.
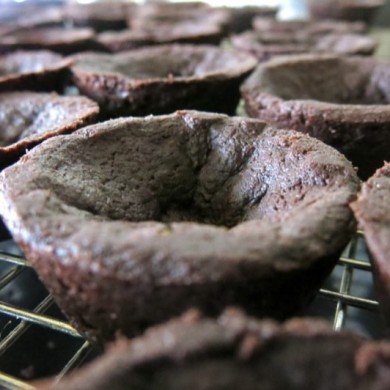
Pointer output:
x,y
243,16
58,39
237,352
372,210
195,22
264,47
347,44
5,30
100,16
159,23
33,70
271,45
163,79
342,101
162,33
134,220
15,15
274,37
28,118
307,28
363,10
169,13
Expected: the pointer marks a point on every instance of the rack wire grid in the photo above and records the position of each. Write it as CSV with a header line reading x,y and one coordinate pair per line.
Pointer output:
x,y
35,340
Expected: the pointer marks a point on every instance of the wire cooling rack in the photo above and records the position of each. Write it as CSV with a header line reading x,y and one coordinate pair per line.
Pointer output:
x,y
36,341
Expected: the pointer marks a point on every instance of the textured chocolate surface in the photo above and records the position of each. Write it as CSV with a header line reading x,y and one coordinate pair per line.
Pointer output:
x,y
162,33
100,16
162,79
307,28
28,118
372,209
349,44
266,46
362,10
134,220
238,352
57,39
243,17
21,15
33,70
270,45
168,13
342,101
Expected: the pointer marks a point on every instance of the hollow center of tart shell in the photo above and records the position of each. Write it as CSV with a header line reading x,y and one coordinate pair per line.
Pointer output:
x,y
333,80
162,62
217,172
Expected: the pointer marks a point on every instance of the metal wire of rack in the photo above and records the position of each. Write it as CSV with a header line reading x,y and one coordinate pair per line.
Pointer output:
x,y
22,319
343,291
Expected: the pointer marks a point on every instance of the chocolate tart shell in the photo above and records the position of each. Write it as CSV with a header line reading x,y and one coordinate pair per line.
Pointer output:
x,y
178,12
28,118
161,33
372,210
101,16
132,221
33,71
343,101
267,47
158,80
243,17
58,39
307,28
358,10
237,352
